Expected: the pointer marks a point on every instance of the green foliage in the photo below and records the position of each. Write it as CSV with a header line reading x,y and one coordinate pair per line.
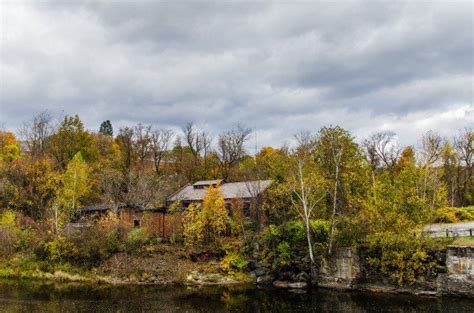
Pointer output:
x,y
285,246
276,203
320,229
60,249
402,257
233,263
71,138
106,128
136,240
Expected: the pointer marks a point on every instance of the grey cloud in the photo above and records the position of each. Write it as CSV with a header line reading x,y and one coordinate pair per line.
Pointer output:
x,y
277,67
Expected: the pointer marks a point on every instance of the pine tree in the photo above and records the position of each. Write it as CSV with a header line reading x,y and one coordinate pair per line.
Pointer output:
x,y
106,128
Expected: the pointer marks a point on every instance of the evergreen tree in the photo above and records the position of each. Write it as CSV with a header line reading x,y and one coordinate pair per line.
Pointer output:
x,y
106,128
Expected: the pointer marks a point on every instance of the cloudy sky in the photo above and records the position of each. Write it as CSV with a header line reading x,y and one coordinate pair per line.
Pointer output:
x,y
276,67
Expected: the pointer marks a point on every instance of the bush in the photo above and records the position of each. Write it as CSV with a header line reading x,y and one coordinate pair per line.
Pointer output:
x,y
320,230
453,215
285,246
136,240
233,263
402,256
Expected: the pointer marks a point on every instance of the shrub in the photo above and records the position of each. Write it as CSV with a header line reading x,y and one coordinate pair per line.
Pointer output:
x,y
453,215
233,263
402,256
320,229
136,240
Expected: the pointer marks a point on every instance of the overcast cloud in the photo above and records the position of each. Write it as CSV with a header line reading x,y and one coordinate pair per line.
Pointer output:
x,y
275,67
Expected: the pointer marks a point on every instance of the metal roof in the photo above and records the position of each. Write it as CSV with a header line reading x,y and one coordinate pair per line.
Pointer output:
x,y
208,182
247,189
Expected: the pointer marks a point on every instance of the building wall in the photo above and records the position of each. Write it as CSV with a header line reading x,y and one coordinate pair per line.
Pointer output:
x,y
159,224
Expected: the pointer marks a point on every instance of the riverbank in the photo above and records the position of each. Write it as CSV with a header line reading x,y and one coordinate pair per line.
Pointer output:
x,y
168,265
346,271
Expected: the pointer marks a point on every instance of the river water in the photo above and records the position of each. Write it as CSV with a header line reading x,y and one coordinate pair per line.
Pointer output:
x,y
27,296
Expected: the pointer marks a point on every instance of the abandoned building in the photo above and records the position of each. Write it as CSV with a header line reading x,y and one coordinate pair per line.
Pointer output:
x,y
246,193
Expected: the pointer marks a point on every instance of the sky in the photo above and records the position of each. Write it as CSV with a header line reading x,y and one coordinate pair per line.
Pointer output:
x,y
276,67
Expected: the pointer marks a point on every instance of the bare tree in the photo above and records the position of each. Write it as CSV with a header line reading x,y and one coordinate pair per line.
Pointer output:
x,y
206,145
381,148
231,148
36,133
142,142
464,146
194,140
160,141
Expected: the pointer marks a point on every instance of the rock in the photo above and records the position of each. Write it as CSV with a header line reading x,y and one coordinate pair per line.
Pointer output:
x,y
298,285
303,276
265,280
260,271
280,284
286,276
252,265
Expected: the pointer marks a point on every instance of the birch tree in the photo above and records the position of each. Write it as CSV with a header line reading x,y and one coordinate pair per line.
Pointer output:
x,y
74,187
308,189
309,194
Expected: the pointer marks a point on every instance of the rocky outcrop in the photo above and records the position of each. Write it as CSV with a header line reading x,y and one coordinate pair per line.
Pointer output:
x,y
459,279
347,270
340,271
197,278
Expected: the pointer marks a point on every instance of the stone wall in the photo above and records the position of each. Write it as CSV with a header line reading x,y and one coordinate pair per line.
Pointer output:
x,y
347,269
459,279
340,271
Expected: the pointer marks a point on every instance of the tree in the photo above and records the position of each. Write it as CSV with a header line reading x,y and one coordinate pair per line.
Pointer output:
x,y
37,132
128,156
142,143
74,186
106,128
464,146
431,151
343,167
206,224
69,139
308,188
9,147
231,148
160,141
382,150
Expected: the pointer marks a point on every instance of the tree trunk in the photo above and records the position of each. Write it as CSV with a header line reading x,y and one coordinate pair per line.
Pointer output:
x,y
333,219
308,237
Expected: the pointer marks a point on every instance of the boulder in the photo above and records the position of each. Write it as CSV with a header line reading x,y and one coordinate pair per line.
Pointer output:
x,y
260,271
265,280
298,285
280,283
303,276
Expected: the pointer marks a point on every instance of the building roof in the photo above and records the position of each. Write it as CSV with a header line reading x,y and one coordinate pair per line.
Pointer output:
x,y
247,189
208,182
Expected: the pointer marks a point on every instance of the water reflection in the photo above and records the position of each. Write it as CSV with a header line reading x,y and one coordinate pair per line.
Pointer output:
x,y
21,296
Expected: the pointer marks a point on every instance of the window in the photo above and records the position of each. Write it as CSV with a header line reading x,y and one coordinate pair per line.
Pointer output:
x,y
246,208
136,223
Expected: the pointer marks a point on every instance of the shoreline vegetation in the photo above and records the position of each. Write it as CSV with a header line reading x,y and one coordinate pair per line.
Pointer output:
x,y
333,201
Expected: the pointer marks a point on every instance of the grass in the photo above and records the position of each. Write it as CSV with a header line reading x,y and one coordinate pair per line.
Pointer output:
x,y
463,241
